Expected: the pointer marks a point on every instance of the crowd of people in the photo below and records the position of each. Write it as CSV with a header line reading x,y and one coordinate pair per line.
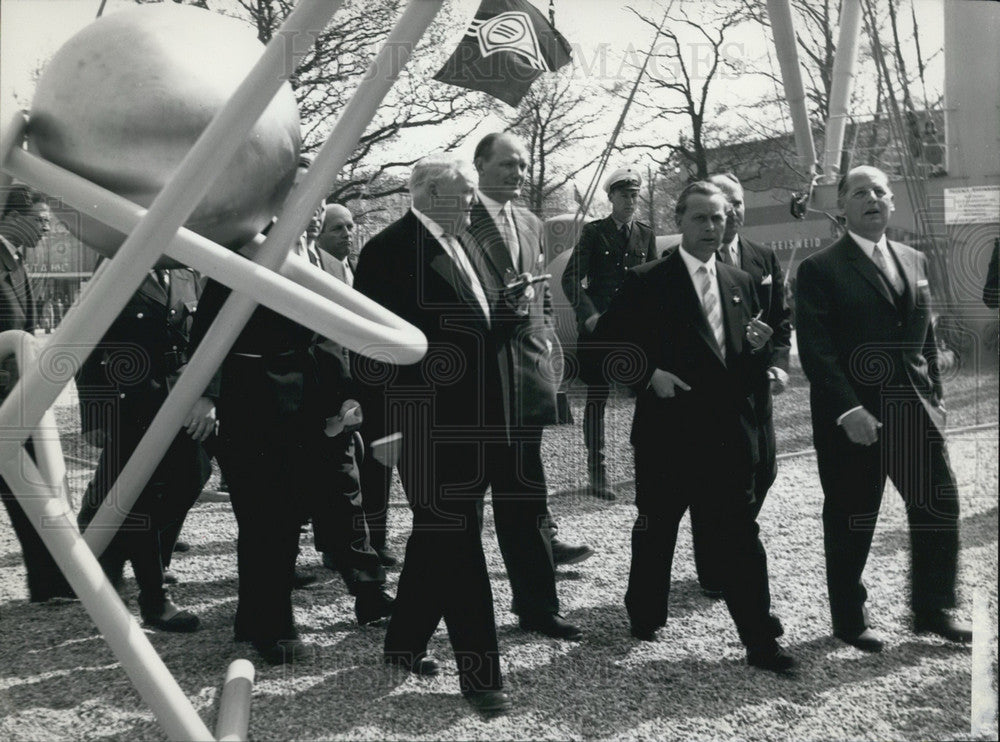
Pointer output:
x,y
304,430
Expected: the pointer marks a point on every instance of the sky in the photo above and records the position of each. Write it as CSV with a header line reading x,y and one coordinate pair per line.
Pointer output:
x,y
602,33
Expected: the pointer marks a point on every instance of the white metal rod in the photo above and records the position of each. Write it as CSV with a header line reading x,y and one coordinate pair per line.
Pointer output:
x,y
43,501
80,331
235,312
783,31
234,706
397,340
845,67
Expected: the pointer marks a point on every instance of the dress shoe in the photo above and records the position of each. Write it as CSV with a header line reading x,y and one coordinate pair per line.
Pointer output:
x,y
770,656
943,625
45,594
774,624
423,665
552,624
563,553
712,593
282,651
644,634
386,558
372,605
181,546
169,578
488,702
303,579
866,640
172,618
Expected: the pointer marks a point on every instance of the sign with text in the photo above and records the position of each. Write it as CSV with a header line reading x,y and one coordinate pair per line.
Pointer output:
x,y
974,205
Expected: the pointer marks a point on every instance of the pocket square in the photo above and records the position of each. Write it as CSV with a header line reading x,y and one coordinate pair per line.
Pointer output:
x,y
766,280
921,282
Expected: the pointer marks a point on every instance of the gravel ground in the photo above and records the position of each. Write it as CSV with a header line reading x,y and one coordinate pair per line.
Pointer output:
x,y
59,680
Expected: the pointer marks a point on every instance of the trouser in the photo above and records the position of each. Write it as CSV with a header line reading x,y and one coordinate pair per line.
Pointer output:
x,y
444,571
165,500
912,453
45,579
339,521
720,498
375,482
593,426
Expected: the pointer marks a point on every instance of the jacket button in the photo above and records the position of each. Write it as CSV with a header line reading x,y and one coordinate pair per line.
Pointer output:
x,y
122,395
139,315
899,324
173,311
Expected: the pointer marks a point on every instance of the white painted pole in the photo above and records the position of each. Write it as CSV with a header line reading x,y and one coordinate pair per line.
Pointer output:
x,y
234,706
49,512
783,31
238,308
845,67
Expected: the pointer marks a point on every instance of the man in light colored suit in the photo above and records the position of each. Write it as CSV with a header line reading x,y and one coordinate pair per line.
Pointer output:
x,y
509,241
866,340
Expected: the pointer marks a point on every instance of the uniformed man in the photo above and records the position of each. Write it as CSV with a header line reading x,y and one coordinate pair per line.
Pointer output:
x,y
121,387
607,249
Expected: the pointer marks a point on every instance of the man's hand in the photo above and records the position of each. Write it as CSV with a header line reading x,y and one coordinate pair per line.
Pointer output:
x,y
778,378
666,385
350,413
201,422
519,292
758,333
590,324
96,437
861,427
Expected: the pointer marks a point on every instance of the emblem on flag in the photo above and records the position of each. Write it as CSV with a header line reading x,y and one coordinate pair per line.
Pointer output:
x,y
509,32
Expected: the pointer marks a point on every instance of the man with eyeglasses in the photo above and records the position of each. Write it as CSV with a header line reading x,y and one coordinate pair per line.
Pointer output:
x,y
867,344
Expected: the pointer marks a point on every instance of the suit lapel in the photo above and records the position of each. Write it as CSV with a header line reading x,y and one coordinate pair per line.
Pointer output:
x,y
487,236
866,268
689,295
438,260
907,273
732,315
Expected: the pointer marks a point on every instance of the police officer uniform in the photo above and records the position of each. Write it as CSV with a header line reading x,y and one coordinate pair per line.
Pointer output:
x,y
121,387
596,269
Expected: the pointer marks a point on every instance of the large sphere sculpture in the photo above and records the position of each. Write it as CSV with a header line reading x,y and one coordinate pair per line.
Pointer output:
x,y
123,101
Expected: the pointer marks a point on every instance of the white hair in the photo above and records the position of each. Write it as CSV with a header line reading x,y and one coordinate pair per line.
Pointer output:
x,y
436,167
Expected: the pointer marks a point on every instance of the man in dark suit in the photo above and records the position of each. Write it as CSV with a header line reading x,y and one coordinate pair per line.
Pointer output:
x,y
867,344
335,241
607,249
24,221
762,264
451,411
509,241
117,405
702,356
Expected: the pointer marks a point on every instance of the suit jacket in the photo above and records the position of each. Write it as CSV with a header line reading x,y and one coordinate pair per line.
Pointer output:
x,y
859,342
17,308
138,358
657,315
602,258
333,358
535,354
464,378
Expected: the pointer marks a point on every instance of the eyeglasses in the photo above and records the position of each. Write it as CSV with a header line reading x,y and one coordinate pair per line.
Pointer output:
x,y
862,193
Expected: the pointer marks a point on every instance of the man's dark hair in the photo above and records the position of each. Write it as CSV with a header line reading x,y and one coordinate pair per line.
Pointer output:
x,y
699,187
20,199
485,147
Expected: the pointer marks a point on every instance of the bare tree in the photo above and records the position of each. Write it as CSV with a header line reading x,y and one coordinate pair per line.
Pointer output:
x,y
556,120
691,54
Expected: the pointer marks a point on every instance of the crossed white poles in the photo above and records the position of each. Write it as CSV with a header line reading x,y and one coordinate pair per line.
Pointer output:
x,y
274,278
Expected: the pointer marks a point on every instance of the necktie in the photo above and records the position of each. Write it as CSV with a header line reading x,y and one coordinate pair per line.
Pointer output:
x,y
624,232
722,255
891,276
348,275
710,303
163,277
313,257
509,235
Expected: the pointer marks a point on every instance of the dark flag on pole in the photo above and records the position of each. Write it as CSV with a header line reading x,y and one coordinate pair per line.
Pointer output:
x,y
506,47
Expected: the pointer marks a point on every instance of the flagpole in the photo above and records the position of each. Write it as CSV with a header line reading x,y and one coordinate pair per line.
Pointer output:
x,y
101,9
588,196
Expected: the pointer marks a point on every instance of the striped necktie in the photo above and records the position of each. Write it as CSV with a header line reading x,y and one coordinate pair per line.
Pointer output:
x,y
710,303
891,276
509,235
